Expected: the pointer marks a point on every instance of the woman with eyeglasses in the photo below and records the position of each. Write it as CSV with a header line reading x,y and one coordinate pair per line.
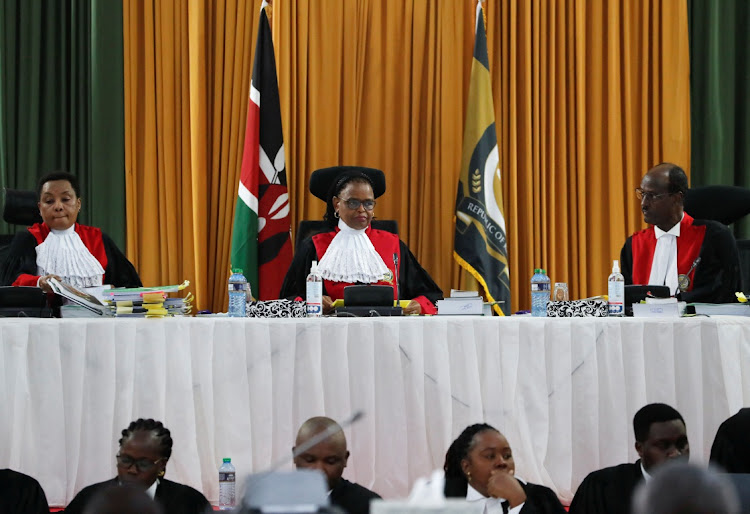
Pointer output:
x,y
145,448
352,252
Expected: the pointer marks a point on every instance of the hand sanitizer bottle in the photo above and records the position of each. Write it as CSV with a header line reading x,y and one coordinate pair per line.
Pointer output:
x,y
616,291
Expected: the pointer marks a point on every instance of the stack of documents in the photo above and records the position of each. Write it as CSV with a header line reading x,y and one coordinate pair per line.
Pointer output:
x,y
461,303
149,302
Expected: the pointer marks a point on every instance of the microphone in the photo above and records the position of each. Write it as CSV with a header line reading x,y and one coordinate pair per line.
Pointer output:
x,y
317,438
395,267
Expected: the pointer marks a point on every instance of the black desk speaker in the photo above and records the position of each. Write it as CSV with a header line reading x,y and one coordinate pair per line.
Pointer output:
x,y
23,302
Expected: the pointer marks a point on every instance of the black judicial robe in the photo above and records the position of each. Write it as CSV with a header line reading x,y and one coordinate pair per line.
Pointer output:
x,y
539,499
21,493
607,490
731,447
352,498
716,277
174,498
413,281
20,267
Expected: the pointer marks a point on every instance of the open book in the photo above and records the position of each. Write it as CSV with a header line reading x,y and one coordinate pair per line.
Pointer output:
x,y
79,297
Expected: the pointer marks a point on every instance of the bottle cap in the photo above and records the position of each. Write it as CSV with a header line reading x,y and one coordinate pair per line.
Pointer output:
x,y
237,270
543,271
227,460
538,270
615,266
314,266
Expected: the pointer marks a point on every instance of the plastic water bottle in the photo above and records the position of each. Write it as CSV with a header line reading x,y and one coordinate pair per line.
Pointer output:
x,y
226,485
314,297
616,291
239,291
540,291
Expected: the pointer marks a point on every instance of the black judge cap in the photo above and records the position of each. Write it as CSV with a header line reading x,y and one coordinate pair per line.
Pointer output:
x,y
321,181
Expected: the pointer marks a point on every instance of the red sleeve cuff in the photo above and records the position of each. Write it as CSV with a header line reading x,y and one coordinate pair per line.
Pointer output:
x,y
427,306
26,280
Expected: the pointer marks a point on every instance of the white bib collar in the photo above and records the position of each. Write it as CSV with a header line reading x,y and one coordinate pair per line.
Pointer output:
x,y
664,265
64,254
352,258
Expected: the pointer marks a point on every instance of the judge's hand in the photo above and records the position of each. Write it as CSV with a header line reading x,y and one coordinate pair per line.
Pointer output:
x,y
413,308
44,284
503,484
327,304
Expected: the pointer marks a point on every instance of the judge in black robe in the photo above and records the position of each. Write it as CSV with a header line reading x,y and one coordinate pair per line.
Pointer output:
x,y
174,498
21,493
350,193
607,490
352,498
707,256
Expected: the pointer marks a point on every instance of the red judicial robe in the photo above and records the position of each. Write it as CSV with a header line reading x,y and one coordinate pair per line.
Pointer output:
x,y
717,275
21,270
413,281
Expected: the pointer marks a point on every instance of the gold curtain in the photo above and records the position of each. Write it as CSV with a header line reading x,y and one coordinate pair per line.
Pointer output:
x,y
187,77
588,95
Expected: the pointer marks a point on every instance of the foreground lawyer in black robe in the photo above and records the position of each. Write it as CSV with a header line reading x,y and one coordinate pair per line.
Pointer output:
x,y
697,259
145,448
60,247
731,447
660,436
330,457
479,467
21,493
352,251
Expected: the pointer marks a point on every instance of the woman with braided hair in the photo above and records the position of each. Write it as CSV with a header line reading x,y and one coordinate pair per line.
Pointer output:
x,y
145,448
479,466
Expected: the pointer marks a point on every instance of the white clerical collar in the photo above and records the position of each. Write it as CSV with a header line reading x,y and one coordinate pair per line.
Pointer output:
x,y
352,258
151,491
646,475
63,253
491,505
675,231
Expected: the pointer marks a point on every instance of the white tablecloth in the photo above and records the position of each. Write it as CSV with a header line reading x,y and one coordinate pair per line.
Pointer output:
x,y
563,391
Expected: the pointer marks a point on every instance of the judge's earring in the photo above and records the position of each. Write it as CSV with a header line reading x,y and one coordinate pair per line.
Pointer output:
x,y
161,473
468,476
336,214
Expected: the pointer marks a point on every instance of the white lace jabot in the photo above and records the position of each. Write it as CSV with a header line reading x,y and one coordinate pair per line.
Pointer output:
x,y
352,258
64,254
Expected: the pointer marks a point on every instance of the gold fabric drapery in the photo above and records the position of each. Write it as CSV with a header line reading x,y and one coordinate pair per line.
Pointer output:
x,y
588,95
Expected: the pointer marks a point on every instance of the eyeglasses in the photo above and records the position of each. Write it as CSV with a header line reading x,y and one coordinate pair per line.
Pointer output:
x,y
354,204
141,465
646,195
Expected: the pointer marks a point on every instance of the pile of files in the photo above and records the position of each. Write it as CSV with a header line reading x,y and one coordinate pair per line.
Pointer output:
x,y
149,302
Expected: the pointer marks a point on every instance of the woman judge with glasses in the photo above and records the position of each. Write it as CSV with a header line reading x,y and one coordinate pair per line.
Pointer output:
x,y
352,252
145,448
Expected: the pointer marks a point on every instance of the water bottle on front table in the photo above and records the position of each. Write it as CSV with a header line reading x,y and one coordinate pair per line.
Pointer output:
x,y
616,291
540,291
314,296
239,291
226,485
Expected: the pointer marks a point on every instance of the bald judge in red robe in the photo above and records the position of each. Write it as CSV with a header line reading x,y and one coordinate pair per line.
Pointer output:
x,y
696,259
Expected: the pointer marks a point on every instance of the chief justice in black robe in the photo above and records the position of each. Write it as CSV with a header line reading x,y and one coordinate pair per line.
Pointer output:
x,y
354,252
21,493
660,436
697,259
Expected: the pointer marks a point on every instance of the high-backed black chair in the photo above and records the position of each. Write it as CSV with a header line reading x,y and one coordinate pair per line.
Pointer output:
x,y
309,228
725,204
19,208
